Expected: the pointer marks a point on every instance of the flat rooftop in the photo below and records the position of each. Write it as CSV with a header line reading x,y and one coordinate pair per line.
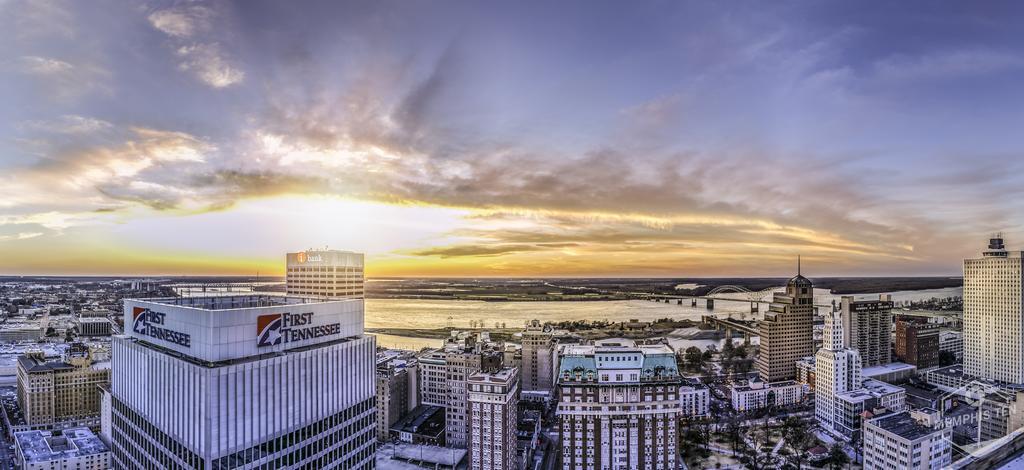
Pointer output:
x,y
41,446
881,369
229,302
502,376
903,425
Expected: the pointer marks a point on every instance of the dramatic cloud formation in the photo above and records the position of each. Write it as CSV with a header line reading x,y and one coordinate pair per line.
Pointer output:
x,y
519,139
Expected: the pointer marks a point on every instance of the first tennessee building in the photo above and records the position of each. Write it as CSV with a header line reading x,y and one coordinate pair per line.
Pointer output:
x,y
249,382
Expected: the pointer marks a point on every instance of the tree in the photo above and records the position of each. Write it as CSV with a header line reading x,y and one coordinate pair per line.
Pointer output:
x,y
694,356
837,457
798,438
728,349
733,429
946,358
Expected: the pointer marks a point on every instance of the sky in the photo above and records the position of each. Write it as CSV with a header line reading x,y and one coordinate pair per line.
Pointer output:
x,y
575,138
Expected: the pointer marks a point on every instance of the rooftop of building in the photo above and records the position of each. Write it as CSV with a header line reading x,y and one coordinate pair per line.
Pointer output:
x,y
921,392
758,385
655,361
503,375
41,446
230,302
904,425
424,420
954,371
881,388
889,368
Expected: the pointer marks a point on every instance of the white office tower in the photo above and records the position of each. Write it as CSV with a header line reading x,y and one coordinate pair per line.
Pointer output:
x,y
618,406
837,369
493,410
253,382
330,274
994,315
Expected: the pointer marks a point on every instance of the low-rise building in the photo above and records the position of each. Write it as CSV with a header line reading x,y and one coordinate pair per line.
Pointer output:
x,y
93,326
1000,412
907,440
873,397
952,341
805,372
757,394
70,449
893,372
423,425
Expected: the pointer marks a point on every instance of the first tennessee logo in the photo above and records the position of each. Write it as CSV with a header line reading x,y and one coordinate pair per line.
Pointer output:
x,y
268,330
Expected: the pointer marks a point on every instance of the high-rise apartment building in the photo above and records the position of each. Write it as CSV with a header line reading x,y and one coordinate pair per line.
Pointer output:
x,y
61,393
787,331
252,381
618,406
837,370
493,409
994,315
867,326
538,358
330,274
917,342
914,440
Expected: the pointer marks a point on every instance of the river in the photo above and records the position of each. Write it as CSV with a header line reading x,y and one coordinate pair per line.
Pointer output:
x,y
401,313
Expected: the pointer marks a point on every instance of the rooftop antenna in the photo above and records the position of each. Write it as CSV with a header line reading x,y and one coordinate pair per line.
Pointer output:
x,y
797,265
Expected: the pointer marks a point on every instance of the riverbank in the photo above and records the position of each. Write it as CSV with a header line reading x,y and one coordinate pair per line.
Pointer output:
x,y
684,329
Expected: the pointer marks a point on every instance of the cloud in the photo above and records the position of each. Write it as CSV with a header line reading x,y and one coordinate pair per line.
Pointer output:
x,y
45,66
64,81
946,65
20,236
69,124
197,52
209,64
182,22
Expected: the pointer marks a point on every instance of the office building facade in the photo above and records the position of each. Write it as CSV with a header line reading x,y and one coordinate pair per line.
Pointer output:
x,y
994,315
257,382
787,331
618,406
330,274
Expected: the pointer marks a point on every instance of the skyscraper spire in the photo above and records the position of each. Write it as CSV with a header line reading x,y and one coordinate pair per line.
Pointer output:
x,y
797,265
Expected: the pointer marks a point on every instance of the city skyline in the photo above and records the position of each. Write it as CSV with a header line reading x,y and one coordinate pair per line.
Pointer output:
x,y
578,139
